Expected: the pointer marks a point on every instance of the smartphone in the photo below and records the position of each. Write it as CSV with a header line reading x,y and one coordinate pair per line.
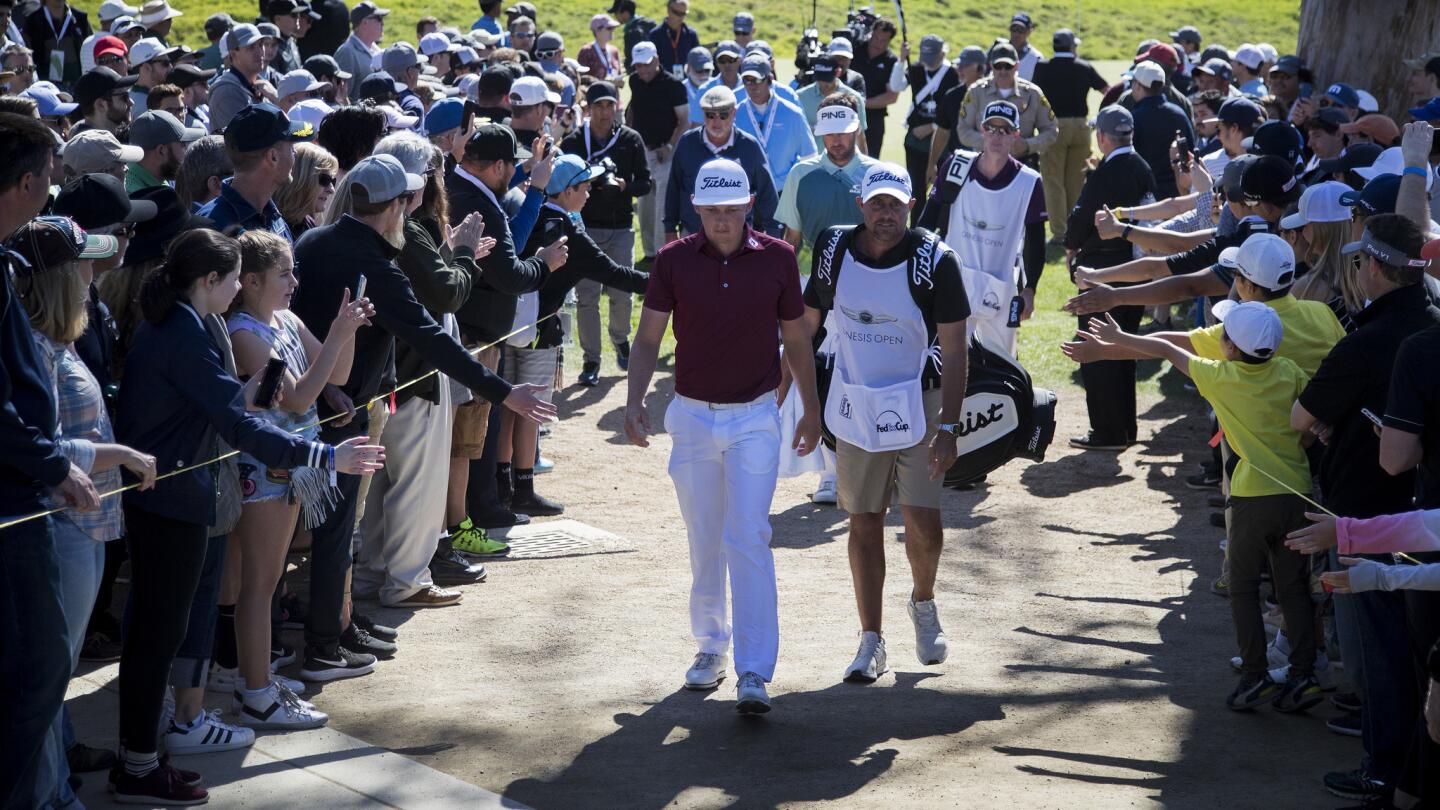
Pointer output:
x,y
270,379
360,289
1369,414
552,233
469,116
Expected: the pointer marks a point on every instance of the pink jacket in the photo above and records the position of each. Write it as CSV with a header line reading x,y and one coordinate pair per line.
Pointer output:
x,y
1407,531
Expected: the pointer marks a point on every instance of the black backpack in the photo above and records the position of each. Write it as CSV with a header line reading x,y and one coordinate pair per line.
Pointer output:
x,y
1004,416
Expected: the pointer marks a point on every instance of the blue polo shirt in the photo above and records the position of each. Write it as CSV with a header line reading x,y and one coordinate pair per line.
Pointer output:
x,y
232,209
782,131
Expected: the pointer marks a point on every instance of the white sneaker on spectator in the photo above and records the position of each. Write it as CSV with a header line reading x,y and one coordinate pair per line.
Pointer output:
x,y
1324,673
279,708
707,672
750,696
209,735
295,687
1277,654
869,663
223,679
825,493
931,646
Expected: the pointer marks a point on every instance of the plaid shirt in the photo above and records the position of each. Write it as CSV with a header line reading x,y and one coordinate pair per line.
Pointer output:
x,y
83,424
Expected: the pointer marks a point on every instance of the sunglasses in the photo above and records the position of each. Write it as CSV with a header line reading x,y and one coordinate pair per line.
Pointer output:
x,y
999,129
325,180
726,60
407,197
678,12
753,80
25,70
718,115
1005,68
111,59
522,35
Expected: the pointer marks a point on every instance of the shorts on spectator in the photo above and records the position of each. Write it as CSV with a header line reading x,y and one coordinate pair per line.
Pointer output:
x,y
467,437
533,366
866,482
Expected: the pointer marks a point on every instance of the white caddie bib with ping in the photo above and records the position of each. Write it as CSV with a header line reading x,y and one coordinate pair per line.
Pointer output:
x,y
987,231
881,348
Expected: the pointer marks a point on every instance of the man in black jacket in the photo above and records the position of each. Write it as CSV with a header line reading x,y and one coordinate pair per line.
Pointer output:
x,y
1122,179
608,215
1066,80
335,257
1158,123
476,185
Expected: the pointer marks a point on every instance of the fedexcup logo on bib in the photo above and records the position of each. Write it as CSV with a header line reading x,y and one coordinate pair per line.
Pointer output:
x,y
983,419
890,422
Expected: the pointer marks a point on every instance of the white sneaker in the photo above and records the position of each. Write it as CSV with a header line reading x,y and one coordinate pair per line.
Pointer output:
x,y
279,708
931,646
1277,654
208,736
223,679
707,672
869,663
750,695
291,685
825,493
1324,673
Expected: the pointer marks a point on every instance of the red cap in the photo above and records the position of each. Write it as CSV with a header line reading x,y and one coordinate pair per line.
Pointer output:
x,y
1164,54
107,45
1431,251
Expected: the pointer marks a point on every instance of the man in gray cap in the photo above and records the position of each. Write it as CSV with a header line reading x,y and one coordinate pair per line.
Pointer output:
x,y
971,66
930,79
405,65
744,28
164,139
367,28
1188,38
1066,80
216,26
698,69
550,53
1038,129
241,85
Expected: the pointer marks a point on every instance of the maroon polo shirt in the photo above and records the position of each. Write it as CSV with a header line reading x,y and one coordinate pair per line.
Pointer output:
x,y
726,313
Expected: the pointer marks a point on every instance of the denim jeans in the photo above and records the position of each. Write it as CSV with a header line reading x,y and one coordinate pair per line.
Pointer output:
x,y
192,662
34,653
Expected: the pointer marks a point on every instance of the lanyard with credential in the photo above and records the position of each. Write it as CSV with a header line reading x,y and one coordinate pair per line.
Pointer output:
x,y
763,135
64,26
932,83
604,59
590,156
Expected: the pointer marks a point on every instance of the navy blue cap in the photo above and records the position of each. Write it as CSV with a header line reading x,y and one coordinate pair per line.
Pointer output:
x,y
1343,94
1356,156
261,126
1238,111
1377,197
1278,138
1021,18
1429,111
1290,65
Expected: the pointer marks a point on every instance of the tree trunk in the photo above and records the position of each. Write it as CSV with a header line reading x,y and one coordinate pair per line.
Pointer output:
x,y
1364,43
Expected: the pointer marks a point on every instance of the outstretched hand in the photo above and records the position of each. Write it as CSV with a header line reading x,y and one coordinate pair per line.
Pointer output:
x,y
1319,536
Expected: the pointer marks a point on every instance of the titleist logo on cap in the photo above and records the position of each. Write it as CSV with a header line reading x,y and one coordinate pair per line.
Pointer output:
x,y
888,177
719,182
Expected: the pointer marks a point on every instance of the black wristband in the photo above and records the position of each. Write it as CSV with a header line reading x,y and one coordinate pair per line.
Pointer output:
x,y
1125,234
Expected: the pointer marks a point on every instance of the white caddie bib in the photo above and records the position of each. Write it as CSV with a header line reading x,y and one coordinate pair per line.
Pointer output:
x,y
987,231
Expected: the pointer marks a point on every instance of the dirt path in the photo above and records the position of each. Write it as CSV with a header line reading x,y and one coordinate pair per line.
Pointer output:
x,y
1089,662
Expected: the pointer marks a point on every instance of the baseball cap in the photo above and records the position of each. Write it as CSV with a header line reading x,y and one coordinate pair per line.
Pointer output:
x,y
1328,118
1021,18
549,41
1377,197
756,65
322,64
47,98
99,201
496,81
242,35
399,58
1385,253
1186,33
570,170
365,10
310,111
620,6
1003,53
444,115
1380,128
1390,161
98,83
1278,138
1217,67
718,97
1163,55
378,86
825,69
157,128
299,81
721,182
603,21
110,9
1269,179
1148,74
1144,48
644,53
886,178
154,235
1064,40
217,24
729,47
1355,156
1229,183
436,42
281,8
1253,327
108,44
1268,51
528,91
1264,259
601,91
95,150
932,49
840,46
1249,56
972,55
760,46
1429,111
494,142
183,76
522,9
1428,62
1238,111
1319,203
698,60
469,85
261,126
268,30
124,25
382,178
1115,120
1003,110
46,243
1290,65
744,23
836,119
1343,94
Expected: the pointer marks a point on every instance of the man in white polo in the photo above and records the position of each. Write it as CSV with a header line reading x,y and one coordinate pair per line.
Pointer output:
x,y
735,293
900,310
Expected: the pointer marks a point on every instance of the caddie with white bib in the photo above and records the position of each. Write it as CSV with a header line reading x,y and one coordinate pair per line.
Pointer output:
x,y
990,208
900,313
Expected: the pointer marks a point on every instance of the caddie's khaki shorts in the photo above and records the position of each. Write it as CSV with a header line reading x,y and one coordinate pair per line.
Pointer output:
x,y
866,481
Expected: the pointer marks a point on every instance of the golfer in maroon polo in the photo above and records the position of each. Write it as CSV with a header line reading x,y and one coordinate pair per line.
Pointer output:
x,y
735,294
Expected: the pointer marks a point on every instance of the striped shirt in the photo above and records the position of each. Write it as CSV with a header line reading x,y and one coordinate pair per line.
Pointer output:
x,y
83,424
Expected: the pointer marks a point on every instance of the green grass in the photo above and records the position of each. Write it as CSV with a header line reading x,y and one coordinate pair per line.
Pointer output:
x,y
1110,28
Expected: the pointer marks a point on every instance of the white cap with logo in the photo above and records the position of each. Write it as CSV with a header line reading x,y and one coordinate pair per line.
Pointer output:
x,y
644,53
886,178
1265,260
721,182
836,119
1253,327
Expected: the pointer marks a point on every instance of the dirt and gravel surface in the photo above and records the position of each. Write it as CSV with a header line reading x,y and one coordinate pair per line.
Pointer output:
x,y
1089,661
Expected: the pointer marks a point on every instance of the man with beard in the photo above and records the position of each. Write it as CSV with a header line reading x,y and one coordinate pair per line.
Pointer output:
x,y
104,99
164,139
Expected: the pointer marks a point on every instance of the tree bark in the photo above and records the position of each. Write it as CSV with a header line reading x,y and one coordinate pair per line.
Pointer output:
x,y
1364,43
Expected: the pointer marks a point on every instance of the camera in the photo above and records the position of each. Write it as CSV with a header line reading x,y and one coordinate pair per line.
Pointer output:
x,y
857,30
608,179
808,50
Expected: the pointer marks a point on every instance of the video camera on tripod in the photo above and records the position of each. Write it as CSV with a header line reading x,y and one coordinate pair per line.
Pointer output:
x,y
857,30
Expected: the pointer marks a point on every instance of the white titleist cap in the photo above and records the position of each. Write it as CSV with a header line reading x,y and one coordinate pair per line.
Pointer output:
x,y
886,178
1253,327
721,182
1319,203
836,120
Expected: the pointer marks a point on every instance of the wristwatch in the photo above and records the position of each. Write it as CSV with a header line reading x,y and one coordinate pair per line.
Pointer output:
x,y
953,428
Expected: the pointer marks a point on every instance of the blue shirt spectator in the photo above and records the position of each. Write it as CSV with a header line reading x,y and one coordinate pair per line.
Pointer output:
x,y
782,131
